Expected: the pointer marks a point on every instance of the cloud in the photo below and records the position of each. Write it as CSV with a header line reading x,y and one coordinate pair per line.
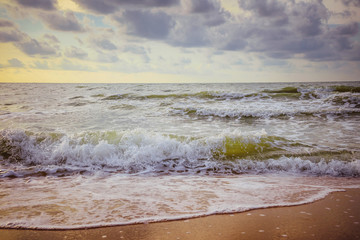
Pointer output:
x,y
65,21
277,30
146,24
340,38
208,13
14,62
183,62
263,8
138,50
275,63
10,35
45,47
345,14
350,29
203,6
34,47
213,19
68,65
189,32
6,23
9,32
134,49
102,7
74,52
109,57
111,6
235,44
41,65
104,44
41,4
187,29
309,18
355,3
51,38
283,29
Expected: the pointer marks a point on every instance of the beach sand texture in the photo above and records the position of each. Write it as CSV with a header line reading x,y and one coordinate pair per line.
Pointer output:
x,y
336,217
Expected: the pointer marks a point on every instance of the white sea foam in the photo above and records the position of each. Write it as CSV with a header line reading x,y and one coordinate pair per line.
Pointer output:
x,y
98,154
273,108
141,151
90,201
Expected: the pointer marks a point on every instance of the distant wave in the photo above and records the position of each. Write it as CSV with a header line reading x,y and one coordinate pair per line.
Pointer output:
x,y
234,113
282,93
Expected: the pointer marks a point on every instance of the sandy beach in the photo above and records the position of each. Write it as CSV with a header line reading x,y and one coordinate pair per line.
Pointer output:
x,y
335,217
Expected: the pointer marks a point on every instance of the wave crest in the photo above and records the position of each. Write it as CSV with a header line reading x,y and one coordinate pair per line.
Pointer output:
x,y
139,151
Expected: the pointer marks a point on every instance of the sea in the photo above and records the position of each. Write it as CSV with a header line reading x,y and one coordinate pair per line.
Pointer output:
x,y
90,155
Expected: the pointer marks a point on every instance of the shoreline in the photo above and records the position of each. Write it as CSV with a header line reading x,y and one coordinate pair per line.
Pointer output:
x,y
337,216
184,218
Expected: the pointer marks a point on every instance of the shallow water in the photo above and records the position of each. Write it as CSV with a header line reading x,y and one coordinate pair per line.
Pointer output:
x,y
103,154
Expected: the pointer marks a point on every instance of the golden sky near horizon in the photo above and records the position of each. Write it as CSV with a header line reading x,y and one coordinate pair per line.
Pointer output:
x,y
179,40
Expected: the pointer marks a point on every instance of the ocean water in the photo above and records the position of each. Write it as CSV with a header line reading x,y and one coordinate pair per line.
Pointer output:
x,y
88,155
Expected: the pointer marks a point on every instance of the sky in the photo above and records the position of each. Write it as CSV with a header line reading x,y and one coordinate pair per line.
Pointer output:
x,y
155,41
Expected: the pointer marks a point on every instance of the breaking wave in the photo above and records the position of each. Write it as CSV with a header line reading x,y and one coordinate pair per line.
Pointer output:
x,y
140,152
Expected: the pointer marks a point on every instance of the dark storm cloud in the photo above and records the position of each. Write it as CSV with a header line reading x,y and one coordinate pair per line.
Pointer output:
x,y
189,32
209,12
236,40
347,29
309,17
41,4
304,32
305,17
354,54
335,44
235,45
277,29
212,20
341,41
111,6
146,24
189,28
66,21
74,52
201,26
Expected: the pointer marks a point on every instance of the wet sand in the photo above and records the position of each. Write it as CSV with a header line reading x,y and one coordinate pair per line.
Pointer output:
x,y
335,217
